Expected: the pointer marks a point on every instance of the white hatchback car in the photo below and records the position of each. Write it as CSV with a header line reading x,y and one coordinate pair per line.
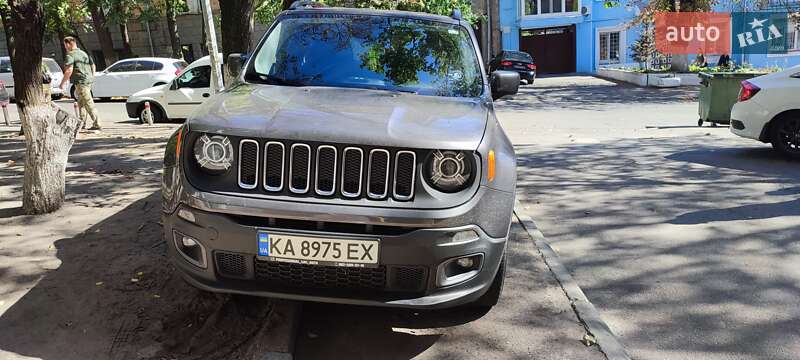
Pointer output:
x,y
176,99
125,77
7,77
769,111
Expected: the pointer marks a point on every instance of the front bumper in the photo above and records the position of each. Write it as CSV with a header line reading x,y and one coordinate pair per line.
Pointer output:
x,y
424,249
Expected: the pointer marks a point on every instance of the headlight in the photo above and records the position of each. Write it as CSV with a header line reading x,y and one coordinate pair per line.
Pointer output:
x,y
214,154
449,171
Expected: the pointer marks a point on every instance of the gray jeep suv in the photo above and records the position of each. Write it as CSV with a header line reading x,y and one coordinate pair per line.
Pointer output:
x,y
357,160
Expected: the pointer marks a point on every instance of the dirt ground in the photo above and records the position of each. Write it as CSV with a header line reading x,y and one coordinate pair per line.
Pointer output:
x,y
91,280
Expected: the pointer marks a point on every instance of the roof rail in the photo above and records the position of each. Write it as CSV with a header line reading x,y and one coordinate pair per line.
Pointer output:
x,y
305,4
456,15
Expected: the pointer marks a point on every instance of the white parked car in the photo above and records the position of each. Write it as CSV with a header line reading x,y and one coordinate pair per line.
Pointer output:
x,y
769,111
176,99
125,77
7,77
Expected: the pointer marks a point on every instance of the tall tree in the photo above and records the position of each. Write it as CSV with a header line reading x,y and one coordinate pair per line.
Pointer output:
x,y
49,131
97,8
121,12
171,8
62,18
236,25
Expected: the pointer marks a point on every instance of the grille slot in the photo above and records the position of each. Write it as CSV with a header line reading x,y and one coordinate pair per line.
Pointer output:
x,y
248,164
409,278
352,163
273,166
321,277
299,168
378,174
325,184
345,172
231,264
405,164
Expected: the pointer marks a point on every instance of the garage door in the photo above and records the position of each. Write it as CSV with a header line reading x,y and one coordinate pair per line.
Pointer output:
x,y
553,49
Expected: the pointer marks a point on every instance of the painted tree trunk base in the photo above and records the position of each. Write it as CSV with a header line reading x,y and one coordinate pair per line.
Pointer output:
x,y
49,134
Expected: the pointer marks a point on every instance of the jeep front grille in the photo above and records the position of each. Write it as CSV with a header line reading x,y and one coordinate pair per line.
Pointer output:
x,y
326,170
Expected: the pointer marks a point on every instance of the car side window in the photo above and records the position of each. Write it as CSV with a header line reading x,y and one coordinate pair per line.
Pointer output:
x,y
5,66
147,65
199,77
123,66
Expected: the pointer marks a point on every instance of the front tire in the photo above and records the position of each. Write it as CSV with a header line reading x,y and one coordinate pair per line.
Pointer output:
x,y
785,136
158,115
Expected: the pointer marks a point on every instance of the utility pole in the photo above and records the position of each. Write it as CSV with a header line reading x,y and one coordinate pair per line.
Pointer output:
x,y
217,84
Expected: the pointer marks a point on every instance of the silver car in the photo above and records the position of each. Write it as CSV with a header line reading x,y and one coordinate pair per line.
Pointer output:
x,y
357,160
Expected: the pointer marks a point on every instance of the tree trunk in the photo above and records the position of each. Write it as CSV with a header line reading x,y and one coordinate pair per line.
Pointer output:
x,y
103,34
5,15
172,28
126,41
49,131
236,27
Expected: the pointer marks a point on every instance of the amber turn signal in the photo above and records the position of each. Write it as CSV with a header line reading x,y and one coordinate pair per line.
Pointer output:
x,y
491,165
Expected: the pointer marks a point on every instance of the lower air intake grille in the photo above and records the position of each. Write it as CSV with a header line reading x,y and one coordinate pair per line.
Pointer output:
x,y
231,264
409,278
321,277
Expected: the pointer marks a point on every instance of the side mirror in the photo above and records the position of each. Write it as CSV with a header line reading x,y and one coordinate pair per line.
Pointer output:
x,y
174,85
235,63
504,83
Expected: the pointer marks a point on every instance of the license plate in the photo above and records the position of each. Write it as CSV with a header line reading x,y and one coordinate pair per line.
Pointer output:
x,y
314,250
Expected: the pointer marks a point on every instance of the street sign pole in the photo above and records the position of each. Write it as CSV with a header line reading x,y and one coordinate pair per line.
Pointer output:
x,y
217,84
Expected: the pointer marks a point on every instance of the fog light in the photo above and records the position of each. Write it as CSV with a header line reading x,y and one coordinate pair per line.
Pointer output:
x,y
465,262
458,270
190,249
188,242
186,215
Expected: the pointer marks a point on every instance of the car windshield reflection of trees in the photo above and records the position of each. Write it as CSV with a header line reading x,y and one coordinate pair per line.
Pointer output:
x,y
373,52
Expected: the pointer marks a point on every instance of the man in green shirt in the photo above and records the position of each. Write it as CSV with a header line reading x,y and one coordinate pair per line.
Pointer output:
x,y
80,71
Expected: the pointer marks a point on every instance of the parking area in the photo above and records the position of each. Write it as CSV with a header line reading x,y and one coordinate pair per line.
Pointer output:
x,y
685,238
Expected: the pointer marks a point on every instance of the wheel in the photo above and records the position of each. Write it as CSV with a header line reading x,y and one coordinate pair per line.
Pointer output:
x,y
159,83
158,115
785,136
490,298
700,123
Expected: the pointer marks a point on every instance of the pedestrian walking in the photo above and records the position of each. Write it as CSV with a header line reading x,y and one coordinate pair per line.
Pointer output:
x,y
80,71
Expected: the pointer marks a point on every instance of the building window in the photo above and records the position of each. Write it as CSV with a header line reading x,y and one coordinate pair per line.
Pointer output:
x,y
544,7
793,34
609,48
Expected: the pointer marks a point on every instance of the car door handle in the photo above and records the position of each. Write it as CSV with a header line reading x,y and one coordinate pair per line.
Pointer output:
x,y
206,94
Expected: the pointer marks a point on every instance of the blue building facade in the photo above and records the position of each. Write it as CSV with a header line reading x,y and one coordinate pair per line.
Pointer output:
x,y
582,35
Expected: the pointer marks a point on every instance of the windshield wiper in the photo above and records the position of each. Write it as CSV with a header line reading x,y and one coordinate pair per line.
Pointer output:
x,y
275,80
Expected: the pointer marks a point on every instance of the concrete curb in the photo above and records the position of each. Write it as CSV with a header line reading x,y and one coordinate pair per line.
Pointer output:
x,y
608,342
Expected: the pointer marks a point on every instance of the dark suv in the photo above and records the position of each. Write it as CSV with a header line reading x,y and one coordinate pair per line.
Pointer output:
x,y
518,61
356,160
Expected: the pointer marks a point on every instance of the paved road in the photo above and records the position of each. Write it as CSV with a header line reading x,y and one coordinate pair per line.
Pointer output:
x,y
533,320
685,238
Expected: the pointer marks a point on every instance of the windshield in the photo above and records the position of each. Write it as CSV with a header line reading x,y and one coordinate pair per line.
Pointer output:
x,y
370,52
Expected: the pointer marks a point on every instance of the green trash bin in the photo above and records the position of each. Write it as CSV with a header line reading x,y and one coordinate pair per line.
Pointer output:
x,y
718,92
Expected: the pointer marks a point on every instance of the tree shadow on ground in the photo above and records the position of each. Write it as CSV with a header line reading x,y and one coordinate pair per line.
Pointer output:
x,y
532,319
687,245
590,93
117,296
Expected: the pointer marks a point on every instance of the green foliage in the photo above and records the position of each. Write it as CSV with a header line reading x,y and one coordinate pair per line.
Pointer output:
x,y
267,10
65,17
643,49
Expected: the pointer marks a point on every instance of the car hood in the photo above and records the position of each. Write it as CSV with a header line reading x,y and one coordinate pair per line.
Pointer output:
x,y
153,92
341,115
